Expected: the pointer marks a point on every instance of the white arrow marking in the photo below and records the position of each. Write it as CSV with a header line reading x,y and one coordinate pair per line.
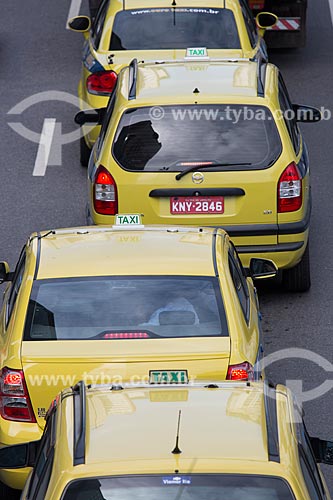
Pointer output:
x,y
74,10
44,147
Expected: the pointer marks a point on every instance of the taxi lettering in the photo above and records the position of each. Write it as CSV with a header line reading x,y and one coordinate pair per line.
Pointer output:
x,y
128,219
168,377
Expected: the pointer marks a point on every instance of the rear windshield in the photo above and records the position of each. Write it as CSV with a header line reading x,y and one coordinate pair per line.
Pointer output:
x,y
125,308
182,487
178,135
178,28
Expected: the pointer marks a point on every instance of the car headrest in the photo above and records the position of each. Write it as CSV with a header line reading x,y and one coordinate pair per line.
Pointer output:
x,y
176,318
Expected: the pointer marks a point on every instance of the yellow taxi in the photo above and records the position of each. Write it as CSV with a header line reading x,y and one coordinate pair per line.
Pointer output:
x,y
152,29
124,303
223,440
208,143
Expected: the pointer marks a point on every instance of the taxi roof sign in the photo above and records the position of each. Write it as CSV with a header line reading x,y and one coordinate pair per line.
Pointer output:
x,y
197,53
128,221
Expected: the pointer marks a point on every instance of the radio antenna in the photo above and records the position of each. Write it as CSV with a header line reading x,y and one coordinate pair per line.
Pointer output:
x,y
176,450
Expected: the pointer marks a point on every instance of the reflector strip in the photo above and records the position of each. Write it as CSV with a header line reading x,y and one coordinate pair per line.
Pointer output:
x,y
287,24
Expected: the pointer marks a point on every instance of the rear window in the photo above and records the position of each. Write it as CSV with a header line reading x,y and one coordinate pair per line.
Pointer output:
x,y
183,487
178,135
178,28
125,308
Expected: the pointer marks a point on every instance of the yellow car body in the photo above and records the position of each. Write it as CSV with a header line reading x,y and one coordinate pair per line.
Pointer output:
x,y
99,56
234,438
143,178
58,318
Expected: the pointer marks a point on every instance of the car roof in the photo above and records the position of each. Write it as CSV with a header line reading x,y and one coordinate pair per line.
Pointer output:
x,y
229,424
195,81
223,427
101,251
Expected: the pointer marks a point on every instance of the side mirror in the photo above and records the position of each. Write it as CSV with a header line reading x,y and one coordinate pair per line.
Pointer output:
x,y
323,450
5,275
81,24
266,20
90,116
19,455
306,114
262,268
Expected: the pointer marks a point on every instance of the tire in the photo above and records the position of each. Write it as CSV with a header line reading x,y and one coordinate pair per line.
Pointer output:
x,y
7,493
298,279
84,152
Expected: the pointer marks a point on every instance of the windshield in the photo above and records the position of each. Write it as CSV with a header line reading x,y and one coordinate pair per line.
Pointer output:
x,y
125,308
180,487
178,28
196,133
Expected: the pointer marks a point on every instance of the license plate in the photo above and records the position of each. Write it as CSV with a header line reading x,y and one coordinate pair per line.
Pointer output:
x,y
197,205
168,377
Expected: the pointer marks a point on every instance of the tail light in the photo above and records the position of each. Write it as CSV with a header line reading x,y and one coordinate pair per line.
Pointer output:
x,y
290,190
15,402
243,371
102,82
105,193
256,4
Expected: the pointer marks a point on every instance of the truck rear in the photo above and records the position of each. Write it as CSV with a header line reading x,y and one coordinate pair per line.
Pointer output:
x,y
290,29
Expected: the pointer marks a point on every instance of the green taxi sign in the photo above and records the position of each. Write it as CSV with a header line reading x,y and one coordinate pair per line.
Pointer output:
x,y
196,53
168,377
128,221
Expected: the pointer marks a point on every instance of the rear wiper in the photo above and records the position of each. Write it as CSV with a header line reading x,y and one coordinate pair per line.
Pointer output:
x,y
205,165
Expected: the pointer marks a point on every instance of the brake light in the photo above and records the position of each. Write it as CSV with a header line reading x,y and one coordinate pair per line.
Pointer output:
x,y
15,402
290,189
243,371
102,82
126,335
105,193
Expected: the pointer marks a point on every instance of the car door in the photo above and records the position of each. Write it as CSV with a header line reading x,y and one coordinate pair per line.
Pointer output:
x,y
257,42
10,295
37,483
249,318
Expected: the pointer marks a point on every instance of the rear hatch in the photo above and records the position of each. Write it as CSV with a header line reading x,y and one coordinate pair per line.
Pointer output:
x,y
49,367
111,329
202,165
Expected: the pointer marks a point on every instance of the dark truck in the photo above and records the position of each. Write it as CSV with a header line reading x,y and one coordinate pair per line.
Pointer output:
x,y
290,29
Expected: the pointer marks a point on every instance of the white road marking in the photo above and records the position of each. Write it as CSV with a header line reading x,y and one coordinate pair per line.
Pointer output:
x,y
74,10
44,148
330,2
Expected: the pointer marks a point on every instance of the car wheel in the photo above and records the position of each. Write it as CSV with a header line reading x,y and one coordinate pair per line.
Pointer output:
x,y
84,152
7,493
297,279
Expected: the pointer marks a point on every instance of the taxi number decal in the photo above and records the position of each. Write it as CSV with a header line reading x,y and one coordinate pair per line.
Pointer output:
x,y
168,377
197,205
176,480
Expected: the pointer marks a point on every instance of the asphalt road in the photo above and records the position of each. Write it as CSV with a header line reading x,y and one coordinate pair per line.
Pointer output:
x,y
37,54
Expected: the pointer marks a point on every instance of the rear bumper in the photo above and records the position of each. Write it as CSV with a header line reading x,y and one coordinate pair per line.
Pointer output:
x,y
284,255
15,479
87,101
279,230
15,433
291,239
